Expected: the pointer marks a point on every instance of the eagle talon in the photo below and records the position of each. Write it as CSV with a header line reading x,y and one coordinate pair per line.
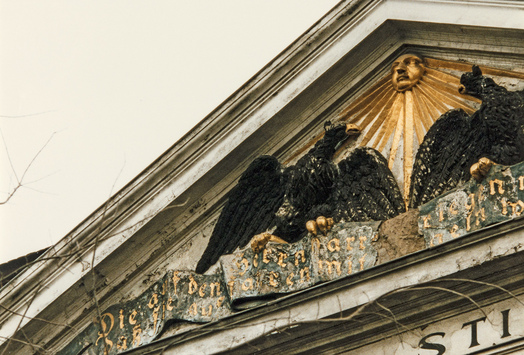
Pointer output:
x,y
321,224
480,169
259,241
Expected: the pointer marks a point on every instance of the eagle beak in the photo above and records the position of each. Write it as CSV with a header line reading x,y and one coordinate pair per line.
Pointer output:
x,y
352,129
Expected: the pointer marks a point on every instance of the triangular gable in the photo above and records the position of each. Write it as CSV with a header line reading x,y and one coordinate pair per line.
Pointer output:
x,y
161,219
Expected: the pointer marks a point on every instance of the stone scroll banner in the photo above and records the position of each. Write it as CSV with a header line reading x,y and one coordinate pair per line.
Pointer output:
x,y
179,295
498,197
284,268
245,275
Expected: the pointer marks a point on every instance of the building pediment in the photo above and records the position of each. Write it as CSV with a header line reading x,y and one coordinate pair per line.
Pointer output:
x,y
162,220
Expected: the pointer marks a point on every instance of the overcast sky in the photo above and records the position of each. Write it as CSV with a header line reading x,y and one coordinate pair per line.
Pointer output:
x,y
111,85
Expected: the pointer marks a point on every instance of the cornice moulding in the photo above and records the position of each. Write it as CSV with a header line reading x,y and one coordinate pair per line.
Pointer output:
x,y
248,111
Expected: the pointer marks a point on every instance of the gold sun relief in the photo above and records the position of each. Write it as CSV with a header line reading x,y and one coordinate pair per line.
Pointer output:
x,y
406,72
395,114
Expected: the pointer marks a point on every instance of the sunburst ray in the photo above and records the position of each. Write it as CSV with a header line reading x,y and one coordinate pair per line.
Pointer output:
x,y
395,122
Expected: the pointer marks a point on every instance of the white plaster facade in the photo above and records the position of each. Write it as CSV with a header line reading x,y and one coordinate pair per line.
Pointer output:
x,y
163,218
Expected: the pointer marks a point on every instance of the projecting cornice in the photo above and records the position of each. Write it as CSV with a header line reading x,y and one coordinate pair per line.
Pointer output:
x,y
275,112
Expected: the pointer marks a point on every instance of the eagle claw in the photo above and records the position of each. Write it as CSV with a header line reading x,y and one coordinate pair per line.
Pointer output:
x,y
259,241
480,169
321,224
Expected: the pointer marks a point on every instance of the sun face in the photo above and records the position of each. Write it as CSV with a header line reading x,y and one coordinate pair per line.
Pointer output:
x,y
406,72
395,114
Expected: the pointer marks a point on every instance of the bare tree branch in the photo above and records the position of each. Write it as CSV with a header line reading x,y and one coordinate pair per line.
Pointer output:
x,y
20,181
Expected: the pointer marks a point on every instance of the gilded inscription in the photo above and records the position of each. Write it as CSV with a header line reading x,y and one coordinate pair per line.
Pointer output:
x,y
281,257
300,256
493,183
106,330
193,286
175,281
334,245
132,316
289,280
349,240
361,261
136,335
362,240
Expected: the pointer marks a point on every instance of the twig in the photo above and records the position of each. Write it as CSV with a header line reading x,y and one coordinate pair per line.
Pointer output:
x,y
20,181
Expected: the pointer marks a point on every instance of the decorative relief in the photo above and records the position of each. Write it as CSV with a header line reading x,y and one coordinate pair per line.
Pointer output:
x,y
179,295
355,189
395,114
473,206
346,249
188,296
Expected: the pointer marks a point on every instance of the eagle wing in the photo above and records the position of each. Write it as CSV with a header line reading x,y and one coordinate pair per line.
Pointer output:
x,y
364,190
250,209
444,157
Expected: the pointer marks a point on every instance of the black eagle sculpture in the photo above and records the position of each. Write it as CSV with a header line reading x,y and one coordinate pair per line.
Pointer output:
x,y
365,190
271,200
457,141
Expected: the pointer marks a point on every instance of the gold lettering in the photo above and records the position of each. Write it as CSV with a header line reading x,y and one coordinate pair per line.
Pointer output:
x,y
504,206
453,208
480,214
468,222
350,266
349,240
265,254
333,245
281,257
202,290
193,310
193,286
242,262
514,206
105,332
440,215
330,265
302,256
220,301
208,312
153,301
231,285
470,207
155,317
426,221
121,318
122,343
215,286
304,272
136,335
175,280
521,182
132,316
362,240
273,281
454,230
436,236
255,260
164,287
361,261
492,187
290,282
169,306
247,284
